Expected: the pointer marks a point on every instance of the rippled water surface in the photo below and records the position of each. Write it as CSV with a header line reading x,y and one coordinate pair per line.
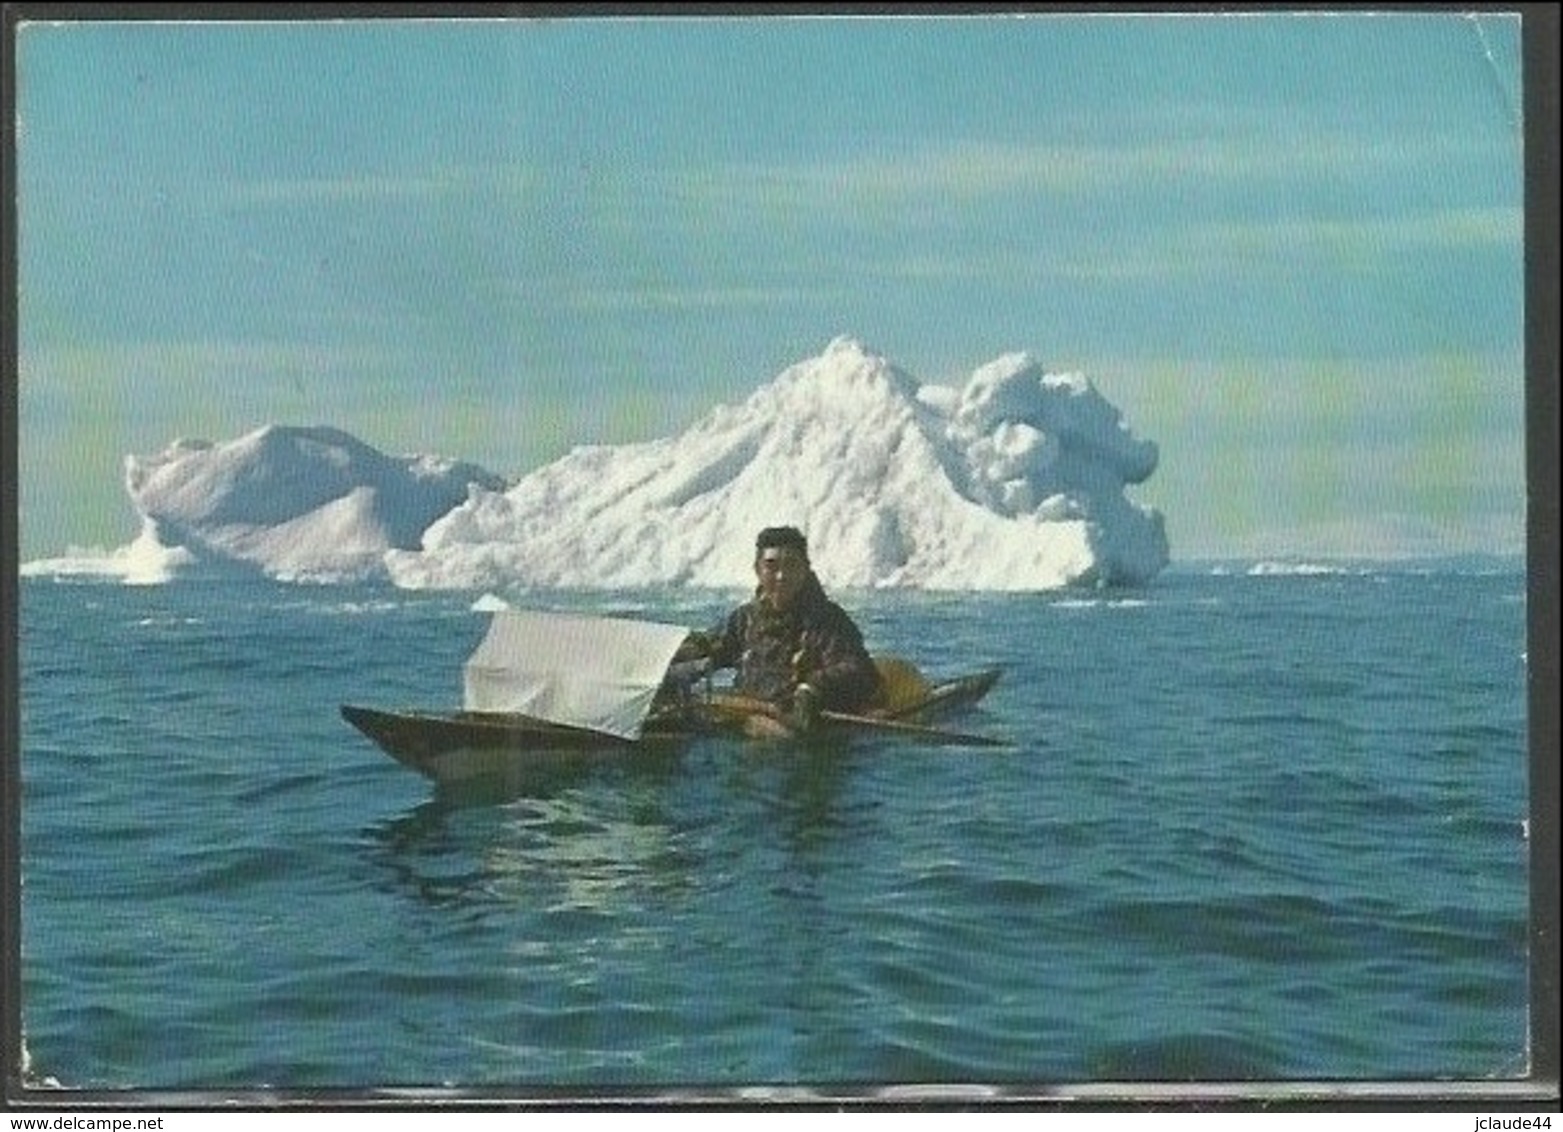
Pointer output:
x,y
1251,827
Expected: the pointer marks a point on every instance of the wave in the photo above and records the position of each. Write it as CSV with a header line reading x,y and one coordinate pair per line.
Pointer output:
x,y
1100,603
1304,570
1303,566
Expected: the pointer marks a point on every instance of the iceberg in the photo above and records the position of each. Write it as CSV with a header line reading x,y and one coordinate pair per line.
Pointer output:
x,y
294,504
1014,480
144,562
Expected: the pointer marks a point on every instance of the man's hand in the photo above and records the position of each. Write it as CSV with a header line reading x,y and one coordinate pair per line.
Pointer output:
x,y
694,647
683,673
805,710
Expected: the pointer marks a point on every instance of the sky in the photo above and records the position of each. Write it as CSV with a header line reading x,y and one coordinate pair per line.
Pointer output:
x,y
1290,248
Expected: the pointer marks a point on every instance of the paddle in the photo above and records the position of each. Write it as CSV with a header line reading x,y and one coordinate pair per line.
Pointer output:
x,y
901,727
749,707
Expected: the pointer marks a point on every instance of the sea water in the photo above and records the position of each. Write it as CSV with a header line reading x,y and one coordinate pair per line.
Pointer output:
x,y
1254,825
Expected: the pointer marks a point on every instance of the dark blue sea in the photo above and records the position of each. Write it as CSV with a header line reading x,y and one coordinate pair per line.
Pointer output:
x,y
1255,825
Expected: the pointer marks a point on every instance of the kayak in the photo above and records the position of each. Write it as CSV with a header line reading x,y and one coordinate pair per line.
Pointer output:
x,y
457,744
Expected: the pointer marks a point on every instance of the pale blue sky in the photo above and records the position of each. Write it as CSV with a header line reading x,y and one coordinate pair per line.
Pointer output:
x,y
1289,248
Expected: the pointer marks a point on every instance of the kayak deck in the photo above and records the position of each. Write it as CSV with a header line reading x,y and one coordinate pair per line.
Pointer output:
x,y
442,745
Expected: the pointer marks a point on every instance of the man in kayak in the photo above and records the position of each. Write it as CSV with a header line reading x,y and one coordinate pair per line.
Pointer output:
x,y
791,645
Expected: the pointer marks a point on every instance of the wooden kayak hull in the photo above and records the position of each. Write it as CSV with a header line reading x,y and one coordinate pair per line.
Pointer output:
x,y
454,745
448,746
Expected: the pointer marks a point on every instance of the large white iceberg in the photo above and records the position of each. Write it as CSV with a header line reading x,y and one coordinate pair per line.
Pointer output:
x,y
1014,481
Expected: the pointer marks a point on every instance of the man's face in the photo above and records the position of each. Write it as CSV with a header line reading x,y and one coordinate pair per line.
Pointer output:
x,y
781,570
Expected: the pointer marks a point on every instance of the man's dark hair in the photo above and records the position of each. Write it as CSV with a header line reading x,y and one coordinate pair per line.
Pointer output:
x,y
780,538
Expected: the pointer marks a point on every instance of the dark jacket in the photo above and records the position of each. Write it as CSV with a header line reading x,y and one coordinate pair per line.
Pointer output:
x,y
814,642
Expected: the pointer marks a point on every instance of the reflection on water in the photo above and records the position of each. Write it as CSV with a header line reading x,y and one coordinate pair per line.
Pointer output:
x,y
707,911
486,776
573,849
596,837
566,850
797,790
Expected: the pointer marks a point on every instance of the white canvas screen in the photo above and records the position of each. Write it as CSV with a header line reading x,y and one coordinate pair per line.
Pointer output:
x,y
595,672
